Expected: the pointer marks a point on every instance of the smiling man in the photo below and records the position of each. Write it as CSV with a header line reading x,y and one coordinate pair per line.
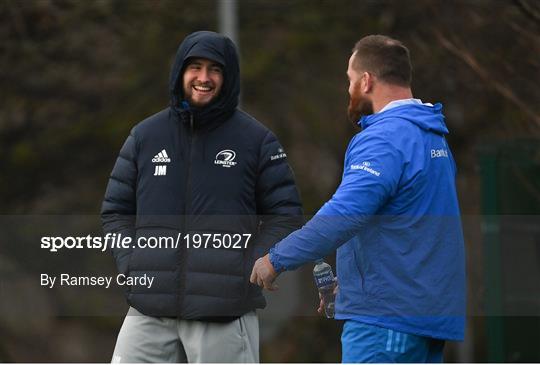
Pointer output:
x,y
202,81
206,172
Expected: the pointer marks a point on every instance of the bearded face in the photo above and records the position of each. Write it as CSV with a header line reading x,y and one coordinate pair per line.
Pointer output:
x,y
359,104
202,81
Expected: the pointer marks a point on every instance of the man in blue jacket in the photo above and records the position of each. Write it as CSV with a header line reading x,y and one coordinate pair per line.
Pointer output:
x,y
394,220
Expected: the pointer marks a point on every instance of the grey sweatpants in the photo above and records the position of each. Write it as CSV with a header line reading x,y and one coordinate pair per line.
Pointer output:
x,y
153,339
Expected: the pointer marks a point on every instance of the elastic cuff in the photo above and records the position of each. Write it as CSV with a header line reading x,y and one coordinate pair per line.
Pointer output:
x,y
273,257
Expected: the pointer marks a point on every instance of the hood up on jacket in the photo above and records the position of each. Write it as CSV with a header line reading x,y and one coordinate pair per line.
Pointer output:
x,y
426,116
220,49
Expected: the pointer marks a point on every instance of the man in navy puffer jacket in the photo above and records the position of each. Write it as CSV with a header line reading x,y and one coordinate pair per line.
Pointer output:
x,y
205,170
394,220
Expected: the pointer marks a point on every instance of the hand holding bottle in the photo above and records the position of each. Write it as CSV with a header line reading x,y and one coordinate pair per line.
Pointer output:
x,y
321,309
326,285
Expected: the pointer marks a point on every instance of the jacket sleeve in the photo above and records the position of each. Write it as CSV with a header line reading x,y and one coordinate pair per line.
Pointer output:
x,y
278,201
119,205
371,175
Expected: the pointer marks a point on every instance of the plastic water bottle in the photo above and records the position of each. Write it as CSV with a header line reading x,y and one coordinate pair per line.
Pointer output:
x,y
324,280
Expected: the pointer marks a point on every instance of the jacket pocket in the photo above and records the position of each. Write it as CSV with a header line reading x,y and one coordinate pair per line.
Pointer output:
x,y
359,264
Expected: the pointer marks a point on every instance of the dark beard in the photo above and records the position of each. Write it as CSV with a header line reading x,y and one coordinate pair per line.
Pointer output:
x,y
359,106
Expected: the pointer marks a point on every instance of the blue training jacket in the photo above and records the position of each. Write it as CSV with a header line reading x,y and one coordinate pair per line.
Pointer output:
x,y
395,223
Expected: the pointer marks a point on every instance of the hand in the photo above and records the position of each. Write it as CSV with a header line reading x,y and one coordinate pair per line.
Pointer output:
x,y
263,274
320,310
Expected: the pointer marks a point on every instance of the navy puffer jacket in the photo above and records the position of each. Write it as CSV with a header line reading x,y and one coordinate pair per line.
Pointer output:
x,y
199,171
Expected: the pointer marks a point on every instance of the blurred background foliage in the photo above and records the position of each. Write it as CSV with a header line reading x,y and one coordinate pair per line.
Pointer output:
x,y
77,75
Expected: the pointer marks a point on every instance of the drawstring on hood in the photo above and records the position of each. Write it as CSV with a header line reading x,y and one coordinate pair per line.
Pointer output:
x,y
220,49
427,117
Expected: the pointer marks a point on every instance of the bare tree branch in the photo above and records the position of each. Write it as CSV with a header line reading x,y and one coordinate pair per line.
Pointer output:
x,y
527,9
471,61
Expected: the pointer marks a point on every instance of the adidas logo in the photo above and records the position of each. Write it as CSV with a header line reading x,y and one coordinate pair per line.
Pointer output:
x,y
161,157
